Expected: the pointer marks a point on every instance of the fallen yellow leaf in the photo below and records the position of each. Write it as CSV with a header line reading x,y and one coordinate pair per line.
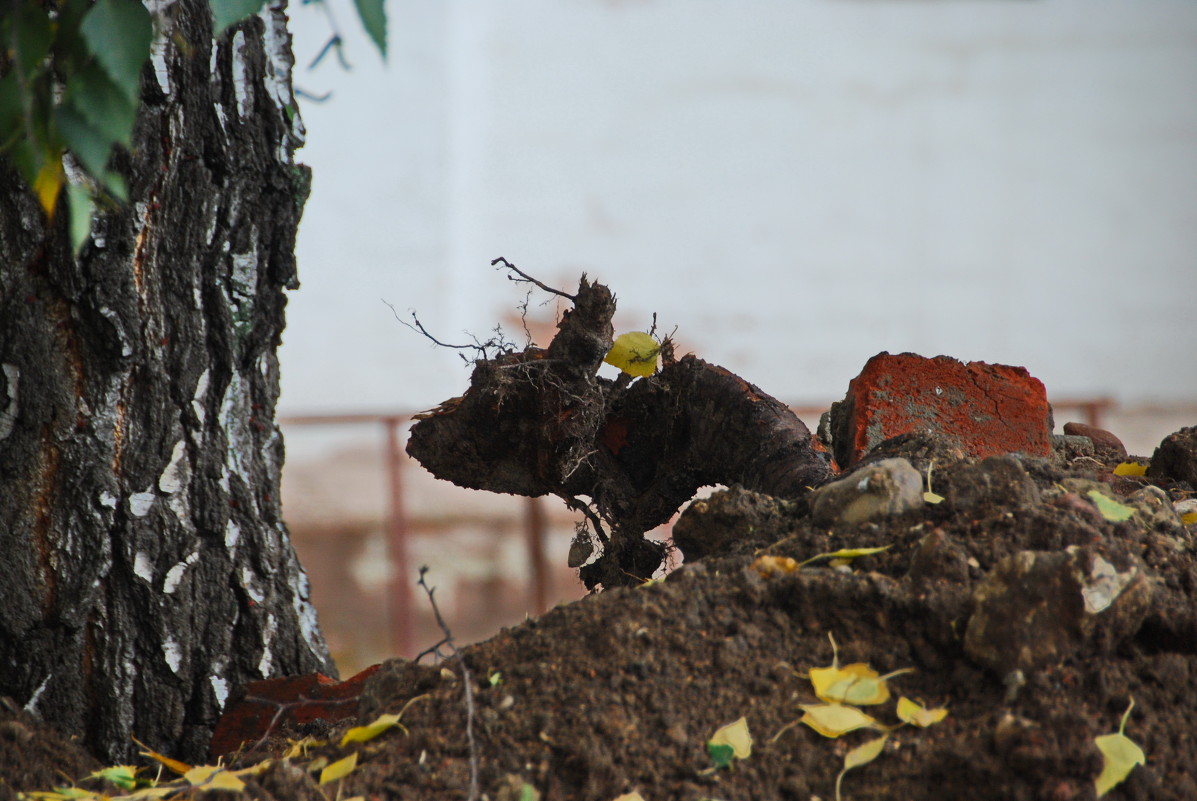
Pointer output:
x,y
339,769
834,720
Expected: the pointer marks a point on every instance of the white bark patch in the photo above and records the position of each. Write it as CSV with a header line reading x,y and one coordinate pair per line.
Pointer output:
x,y
143,567
201,392
163,28
232,535
121,334
140,502
267,660
305,613
175,575
173,654
249,582
107,500
242,89
8,408
235,411
31,706
177,471
279,63
220,688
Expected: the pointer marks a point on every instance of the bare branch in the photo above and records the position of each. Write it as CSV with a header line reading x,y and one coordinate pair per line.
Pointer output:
x,y
525,278
465,679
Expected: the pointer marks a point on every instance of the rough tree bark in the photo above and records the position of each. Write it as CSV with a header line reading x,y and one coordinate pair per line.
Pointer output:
x,y
541,421
146,570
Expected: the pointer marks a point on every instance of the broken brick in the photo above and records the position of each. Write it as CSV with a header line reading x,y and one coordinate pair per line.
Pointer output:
x,y
271,704
989,409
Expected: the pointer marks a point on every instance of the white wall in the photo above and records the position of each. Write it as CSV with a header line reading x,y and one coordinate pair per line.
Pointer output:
x,y
795,185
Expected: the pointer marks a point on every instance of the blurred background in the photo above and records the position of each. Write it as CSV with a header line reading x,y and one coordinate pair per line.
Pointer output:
x,y
795,185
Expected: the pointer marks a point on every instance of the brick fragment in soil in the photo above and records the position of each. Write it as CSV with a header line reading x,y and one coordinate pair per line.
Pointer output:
x,y
988,409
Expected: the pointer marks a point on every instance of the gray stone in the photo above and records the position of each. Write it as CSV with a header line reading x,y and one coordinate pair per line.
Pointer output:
x,y
997,481
1038,608
884,488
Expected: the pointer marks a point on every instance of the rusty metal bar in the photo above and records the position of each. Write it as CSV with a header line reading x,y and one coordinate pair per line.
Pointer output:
x,y
534,519
401,576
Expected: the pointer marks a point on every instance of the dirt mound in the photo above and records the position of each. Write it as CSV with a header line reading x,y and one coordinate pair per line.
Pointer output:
x,y
1085,579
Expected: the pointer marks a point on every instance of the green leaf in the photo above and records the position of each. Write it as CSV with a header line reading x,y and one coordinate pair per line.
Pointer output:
x,y
118,33
89,145
31,36
12,115
105,107
123,776
230,12
721,754
1111,509
374,20
80,210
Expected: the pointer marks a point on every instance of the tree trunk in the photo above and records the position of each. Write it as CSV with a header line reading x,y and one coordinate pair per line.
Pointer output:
x,y
146,570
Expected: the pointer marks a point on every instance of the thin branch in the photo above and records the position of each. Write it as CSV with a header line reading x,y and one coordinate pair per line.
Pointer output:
x,y
525,278
419,328
466,679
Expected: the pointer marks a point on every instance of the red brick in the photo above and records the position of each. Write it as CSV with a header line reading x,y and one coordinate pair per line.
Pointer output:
x,y
303,699
988,409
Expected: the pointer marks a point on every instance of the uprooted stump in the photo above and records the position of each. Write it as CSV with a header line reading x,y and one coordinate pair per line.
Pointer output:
x,y
543,422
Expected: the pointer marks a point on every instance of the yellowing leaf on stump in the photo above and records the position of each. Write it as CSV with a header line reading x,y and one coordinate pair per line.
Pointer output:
x,y
834,720
1110,509
635,353
339,769
860,755
918,715
1189,518
1120,754
1130,469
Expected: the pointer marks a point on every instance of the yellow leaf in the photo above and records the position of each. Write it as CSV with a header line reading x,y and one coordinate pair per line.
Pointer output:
x,y
1110,509
834,720
362,734
860,755
1130,469
845,553
862,687
917,714
635,353
123,776
157,791
339,769
770,566
1120,755
174,764
48,182
1189,519
299,748
931,497
200,774
735,735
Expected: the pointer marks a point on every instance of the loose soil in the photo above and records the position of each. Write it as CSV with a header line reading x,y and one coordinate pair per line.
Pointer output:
x,y
619,692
